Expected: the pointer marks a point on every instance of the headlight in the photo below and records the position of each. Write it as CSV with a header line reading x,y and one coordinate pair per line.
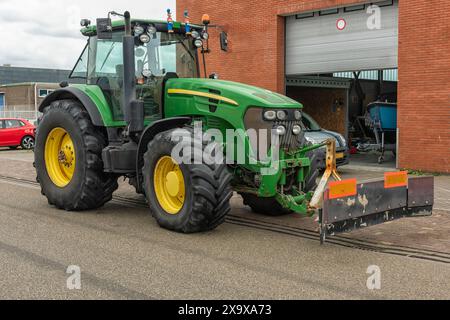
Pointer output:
x,y
297,130
281,115
270,115
151,30
195,34
138,30
145,38
198,43
298,115
281,131
205,35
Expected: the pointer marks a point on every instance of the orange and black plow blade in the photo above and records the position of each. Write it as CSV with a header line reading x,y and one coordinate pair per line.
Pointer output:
x,y
348,205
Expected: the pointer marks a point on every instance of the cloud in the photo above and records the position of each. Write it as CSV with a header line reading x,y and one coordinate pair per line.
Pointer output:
x,y
46,33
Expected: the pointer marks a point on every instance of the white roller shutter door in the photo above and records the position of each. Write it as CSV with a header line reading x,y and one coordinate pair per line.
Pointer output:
x,y
316,45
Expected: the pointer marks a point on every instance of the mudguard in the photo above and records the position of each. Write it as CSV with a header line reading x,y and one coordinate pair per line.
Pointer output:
x,y
75,93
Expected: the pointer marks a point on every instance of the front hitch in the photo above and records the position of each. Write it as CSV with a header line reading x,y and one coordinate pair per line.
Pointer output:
x,y
330,171
310,202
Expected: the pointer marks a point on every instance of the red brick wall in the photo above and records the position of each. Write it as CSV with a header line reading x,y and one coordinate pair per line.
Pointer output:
x,y
424,85
256,56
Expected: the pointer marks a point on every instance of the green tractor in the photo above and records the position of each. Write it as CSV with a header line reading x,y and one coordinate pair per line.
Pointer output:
x,y
142,85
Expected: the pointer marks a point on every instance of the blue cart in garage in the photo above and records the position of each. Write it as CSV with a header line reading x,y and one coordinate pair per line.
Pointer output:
x,y
381,118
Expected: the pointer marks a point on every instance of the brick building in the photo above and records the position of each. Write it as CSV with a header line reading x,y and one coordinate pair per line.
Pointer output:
x,y
331,56
23,89
24,97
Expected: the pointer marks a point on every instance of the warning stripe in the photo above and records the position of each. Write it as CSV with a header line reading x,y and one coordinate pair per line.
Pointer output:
x,y
395,179
342,189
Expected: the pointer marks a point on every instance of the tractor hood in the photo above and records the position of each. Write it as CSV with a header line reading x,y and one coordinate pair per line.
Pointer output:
x,y
230,93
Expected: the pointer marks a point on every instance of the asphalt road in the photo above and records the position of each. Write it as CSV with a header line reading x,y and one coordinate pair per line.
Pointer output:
x,y
123,254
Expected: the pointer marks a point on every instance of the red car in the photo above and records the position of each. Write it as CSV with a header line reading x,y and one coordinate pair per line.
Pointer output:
x,y
17,132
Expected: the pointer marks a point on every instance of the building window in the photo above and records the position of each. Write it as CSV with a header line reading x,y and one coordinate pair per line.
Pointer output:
x,y
328,12
44,92
384,3
304,15
388,75
355,8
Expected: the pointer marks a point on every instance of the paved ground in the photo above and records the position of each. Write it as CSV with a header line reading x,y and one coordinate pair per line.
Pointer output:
x,y
123,254
369,161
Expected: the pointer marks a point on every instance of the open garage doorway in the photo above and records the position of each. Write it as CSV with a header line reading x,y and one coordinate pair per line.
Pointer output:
x,y
341,64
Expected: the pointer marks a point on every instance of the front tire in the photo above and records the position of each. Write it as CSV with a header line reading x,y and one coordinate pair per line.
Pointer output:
x,y
265,206
185,198
68,159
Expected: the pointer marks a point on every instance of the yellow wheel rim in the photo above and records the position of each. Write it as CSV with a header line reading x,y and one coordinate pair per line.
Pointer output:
x,y
60,157
169,185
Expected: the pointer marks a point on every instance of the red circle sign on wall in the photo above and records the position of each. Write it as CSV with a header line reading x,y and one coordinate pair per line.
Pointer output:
x,y
341,24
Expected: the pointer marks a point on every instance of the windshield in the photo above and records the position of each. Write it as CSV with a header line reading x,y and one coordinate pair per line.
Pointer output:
x,y
163,54
310,124
167,53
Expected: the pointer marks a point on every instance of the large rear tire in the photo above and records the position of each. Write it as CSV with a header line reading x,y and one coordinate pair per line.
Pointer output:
x,y
185,198
68,159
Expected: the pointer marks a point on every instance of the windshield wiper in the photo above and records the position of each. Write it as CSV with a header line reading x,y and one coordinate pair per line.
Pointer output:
x,y
107,56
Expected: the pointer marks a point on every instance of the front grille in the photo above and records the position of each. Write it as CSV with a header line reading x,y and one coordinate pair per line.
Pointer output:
x,y
290,141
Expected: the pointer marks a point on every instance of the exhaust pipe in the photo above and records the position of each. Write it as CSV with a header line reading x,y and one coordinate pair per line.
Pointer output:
x,y
133,108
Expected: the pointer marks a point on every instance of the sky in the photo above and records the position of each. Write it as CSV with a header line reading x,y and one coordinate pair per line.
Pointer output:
x,y
46,33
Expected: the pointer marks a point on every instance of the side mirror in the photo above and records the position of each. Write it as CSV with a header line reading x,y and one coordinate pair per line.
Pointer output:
x,y
104,29
224,41
214,76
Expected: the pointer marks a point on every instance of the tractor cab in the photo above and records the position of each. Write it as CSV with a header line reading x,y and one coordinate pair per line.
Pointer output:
x,y
159,52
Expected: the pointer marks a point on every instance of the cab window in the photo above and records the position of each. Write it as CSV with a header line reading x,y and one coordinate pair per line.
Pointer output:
x,y
81,68
105,69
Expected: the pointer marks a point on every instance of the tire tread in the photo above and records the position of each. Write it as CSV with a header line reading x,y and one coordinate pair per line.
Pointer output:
x,y
97,187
